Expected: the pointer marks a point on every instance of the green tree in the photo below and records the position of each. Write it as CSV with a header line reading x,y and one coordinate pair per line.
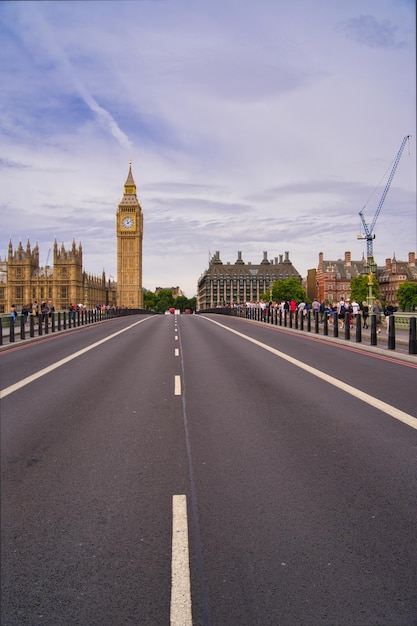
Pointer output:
x,y
287,290
407,296
182,303
165,300
149,300
359,289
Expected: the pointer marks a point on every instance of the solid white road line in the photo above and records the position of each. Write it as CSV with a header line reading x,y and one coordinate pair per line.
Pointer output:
x,y
177,386
53,366
181,614
390,410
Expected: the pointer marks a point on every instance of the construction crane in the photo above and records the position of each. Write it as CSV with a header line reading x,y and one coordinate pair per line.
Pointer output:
x,y
369,230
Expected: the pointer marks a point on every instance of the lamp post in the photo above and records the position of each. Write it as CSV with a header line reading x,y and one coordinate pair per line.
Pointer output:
x,y
371,298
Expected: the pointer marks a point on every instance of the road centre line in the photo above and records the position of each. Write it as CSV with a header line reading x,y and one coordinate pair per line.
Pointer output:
x,y
177,385
177,352
390,410
46,370
180,613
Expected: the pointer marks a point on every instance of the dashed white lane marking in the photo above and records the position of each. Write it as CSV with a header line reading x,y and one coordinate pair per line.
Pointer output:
x,y
177,352
390,410
46,370
180,614
176,337
177,386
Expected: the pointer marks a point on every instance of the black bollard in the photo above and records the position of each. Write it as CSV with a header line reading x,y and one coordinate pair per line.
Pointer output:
x,y
309,321
373,330
22,328
1,332
391,332
326,324
316,322
358,319
302,320
46,324
412,341
59,320
285,317
11,336
347,326
52,322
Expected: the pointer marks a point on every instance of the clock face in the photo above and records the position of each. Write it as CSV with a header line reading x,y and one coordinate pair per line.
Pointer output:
x,y
128,222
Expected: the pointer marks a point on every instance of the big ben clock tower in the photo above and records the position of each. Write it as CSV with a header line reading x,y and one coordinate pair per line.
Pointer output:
x,y
129,225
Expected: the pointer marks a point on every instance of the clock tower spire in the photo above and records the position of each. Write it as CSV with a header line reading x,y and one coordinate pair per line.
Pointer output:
x,y
129,229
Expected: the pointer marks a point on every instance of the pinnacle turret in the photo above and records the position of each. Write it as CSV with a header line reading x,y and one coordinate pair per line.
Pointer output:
x,y
130,186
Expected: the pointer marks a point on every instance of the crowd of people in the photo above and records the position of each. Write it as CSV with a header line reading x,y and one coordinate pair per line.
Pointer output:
x,y
335,311
46,309
40,312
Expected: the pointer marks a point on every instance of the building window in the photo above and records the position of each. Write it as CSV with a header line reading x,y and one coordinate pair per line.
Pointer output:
x,y
64,272
19,293
19,272
64,293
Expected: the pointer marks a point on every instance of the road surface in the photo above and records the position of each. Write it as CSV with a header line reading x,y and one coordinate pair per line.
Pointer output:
x,y
206,470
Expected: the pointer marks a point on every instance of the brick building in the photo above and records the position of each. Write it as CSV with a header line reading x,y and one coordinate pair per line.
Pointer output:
x,y
333,277
393,275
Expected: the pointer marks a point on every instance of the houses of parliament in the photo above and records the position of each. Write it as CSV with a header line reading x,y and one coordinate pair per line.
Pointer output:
x,y
23,281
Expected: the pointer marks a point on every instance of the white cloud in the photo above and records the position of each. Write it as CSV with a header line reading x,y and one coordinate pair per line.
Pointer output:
x,y
252,126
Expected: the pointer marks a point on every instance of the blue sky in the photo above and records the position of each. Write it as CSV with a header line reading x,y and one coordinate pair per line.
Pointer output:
x,y
252,126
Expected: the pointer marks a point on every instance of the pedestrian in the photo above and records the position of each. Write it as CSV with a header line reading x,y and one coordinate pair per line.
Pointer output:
x,y
341,310
13,314
35,311
322,309
388,312
315,306
25,312
377,311
365,313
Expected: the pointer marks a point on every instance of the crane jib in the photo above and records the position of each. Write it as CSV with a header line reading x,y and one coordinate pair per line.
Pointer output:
x,y
369,236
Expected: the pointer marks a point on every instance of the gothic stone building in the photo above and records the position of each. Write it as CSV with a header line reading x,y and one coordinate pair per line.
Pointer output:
x,y
129,231
225,284
23,281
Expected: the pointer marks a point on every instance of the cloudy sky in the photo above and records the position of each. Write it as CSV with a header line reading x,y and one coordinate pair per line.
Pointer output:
x,y
252,126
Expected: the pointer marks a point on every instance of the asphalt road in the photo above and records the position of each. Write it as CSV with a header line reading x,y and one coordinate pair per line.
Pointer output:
x,y
294,458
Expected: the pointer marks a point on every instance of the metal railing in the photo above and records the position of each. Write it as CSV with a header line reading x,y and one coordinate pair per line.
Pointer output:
x,y
325,324
26,327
